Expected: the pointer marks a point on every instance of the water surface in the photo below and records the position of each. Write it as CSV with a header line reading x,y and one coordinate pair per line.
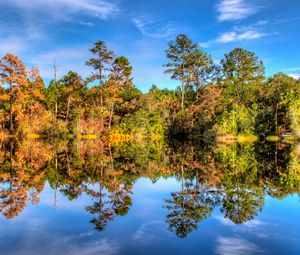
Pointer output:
x,y
89,197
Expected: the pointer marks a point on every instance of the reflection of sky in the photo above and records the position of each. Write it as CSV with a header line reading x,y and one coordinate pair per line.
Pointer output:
x,y
43,229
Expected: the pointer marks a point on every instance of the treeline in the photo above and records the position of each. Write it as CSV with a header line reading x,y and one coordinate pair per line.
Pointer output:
x,y
229,99
233,97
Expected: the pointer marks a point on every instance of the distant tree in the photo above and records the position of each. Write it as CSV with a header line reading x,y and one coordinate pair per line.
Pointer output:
x,y
36,87
121,71
180,53
243,74
203,69
73,89
294,114
100,63
119,81
207,108
277,96
13,78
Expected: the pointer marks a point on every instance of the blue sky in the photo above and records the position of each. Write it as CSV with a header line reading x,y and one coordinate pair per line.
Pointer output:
x,y
43,31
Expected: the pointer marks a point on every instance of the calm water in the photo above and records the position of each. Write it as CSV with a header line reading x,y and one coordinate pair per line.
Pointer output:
x,y
149,198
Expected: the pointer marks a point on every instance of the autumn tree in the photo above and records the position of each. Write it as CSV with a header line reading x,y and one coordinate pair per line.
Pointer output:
x,y
13,78
34,104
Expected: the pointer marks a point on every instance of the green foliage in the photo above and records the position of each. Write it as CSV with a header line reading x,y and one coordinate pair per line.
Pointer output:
x,y
243,74
236,120
143,124
277,97
294,114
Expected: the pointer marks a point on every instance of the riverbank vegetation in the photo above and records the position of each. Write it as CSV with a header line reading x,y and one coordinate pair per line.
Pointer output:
x,y
229,100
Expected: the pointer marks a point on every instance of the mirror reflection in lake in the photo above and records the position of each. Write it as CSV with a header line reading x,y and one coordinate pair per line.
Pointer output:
x,y
91,197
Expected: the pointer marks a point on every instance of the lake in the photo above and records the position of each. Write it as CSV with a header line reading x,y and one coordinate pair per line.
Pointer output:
x,y
90,197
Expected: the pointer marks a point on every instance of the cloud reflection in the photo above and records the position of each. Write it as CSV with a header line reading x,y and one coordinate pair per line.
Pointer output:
x,y
236,246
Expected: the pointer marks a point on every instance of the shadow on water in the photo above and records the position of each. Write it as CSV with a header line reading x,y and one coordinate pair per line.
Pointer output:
x,y
235,178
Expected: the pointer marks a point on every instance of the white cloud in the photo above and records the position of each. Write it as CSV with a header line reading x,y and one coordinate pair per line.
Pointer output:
x,y
80,244
234,10
37,17
249,224
151,232
84,23
253,223
236,246
224,221
60,8
14,45
296,76
153,27
293,72
234,36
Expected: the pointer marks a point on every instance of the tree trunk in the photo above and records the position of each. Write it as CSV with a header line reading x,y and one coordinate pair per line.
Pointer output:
x,y
197,87
68,107
276,118
111,116
101,87
56,108
30,121
197,183
10,109
182,178
182,94
56,96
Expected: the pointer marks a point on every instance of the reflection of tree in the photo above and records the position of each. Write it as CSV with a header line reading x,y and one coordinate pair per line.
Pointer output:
x,y
233,177
72,192
289,176
101,209
111,201
242,196
109,205
20,180
276,159
241,204
120,198
184,215
188,207
13,198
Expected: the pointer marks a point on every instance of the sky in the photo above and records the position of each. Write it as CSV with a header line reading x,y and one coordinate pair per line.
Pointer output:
x,y
42,32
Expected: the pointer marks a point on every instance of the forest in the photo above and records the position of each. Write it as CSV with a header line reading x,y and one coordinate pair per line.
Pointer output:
x,y
230,100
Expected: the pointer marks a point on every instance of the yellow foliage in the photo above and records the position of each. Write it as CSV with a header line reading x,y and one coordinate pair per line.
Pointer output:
x,y
116,137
